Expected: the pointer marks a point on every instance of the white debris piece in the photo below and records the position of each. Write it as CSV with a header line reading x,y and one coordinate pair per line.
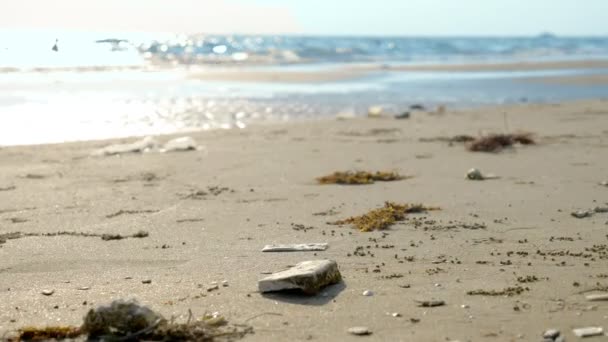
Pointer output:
x,y
180,144
375,111
597,297
301,247
308,276
360,331
588,331
142,145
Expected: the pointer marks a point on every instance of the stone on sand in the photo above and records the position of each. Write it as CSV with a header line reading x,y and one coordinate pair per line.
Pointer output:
x,y
308,276
180,144
137,146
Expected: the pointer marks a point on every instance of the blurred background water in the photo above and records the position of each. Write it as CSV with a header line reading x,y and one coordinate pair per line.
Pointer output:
x,y
108,84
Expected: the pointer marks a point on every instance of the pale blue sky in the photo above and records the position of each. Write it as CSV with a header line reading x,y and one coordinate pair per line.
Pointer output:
x,y
338,17
446,17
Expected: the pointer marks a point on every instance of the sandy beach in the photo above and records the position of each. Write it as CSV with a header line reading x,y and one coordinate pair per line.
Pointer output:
x,y
209,213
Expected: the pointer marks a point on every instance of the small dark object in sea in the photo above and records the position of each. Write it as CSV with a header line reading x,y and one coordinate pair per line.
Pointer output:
x,y
417,107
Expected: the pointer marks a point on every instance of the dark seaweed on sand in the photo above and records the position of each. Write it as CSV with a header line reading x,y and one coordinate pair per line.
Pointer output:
x,y
496,142
384,217
360,177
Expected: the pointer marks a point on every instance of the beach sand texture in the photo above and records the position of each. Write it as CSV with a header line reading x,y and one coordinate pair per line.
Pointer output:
x,y
209,212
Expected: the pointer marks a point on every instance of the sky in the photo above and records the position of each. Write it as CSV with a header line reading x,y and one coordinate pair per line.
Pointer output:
x,y
314,17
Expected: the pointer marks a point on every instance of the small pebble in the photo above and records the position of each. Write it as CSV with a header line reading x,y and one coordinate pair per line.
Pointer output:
x,y
212,287
368,293
225,283
359,331
396,314
146,281
48,292
83,288
464,306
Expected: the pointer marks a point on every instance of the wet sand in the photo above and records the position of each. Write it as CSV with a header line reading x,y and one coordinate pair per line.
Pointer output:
x,y
363,70
209,212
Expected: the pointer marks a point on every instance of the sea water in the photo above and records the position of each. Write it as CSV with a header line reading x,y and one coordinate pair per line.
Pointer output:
x,y
106,84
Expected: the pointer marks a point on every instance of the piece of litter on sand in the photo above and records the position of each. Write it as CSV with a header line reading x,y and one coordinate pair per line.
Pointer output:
x,y
368,293
301,247
588,331
308,276
551,334
597,297
601,209
375,112
430,303
142,145
180,144
475,174
84,288
48,292
604,183
146,281
359,331
581,213
404,115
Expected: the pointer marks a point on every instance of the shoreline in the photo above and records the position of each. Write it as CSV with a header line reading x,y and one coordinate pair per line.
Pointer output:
x,y
490,235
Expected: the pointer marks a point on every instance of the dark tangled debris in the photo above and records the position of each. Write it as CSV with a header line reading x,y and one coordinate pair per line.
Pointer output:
x,y
129,321
508,292
360,177
106,237
202,194
384,217
497,142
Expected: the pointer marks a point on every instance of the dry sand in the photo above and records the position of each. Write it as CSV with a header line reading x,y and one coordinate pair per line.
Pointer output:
x,y
487,234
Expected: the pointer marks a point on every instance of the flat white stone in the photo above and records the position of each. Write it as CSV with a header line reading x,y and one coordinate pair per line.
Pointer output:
x,y
597,297
308,276
301,247
48,292
588,331
551,334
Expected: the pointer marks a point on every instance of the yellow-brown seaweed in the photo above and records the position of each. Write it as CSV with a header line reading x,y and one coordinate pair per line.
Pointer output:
x,y
384,217
360,177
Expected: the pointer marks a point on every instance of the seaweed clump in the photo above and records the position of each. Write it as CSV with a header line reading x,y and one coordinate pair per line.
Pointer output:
x,y
497,142
359,177
384,217
129,321
507,292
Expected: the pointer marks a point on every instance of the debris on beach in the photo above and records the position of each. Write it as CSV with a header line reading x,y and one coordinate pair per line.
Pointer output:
x,y
308,276
384,217
8,188
142,145
417,106
604,183
430,303
597,297
582,213
497,142
359,331
129,321
180,144
46,333
475,174
551,334
462,138
297,247
404,115
48,292
375,112
588,331
368,293
506,292
360,177
106,237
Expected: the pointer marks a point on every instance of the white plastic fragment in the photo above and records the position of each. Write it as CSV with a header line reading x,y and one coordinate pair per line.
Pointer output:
x,y
597,297
359,331
588,331
368,293
302,247
180,144
142,145
308,276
